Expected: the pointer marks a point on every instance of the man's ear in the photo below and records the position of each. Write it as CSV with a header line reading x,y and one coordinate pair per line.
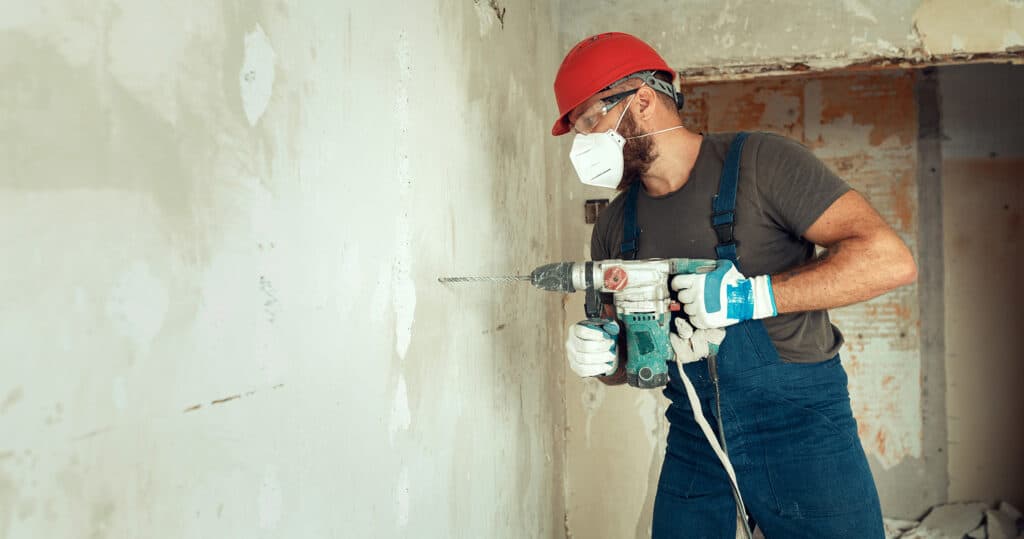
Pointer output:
x,y
646,103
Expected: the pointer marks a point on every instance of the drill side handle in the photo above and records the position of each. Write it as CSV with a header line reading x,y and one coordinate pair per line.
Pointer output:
x,y
592,304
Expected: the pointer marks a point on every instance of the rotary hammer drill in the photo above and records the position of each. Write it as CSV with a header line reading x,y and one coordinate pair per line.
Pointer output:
x,y
642,302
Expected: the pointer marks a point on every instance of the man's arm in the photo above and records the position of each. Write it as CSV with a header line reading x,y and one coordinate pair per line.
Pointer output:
x,y
864,259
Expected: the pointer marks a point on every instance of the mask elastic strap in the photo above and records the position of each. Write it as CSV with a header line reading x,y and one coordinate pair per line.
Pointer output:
x,y
624,111
655,133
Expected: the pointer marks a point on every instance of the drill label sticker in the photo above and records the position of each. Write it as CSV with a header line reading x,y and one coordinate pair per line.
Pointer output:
x,y
615,278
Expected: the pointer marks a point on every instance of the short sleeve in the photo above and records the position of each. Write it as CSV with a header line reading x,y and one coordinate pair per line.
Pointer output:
x,y
794,185
597,250
599,246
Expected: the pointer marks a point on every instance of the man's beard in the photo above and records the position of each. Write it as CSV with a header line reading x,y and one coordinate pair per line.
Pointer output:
x,y
637,154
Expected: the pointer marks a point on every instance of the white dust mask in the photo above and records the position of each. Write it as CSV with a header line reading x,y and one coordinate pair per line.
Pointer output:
x,y
597,157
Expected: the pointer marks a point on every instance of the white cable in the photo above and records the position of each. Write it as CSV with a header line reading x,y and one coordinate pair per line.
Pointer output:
x,y
655,133
698,416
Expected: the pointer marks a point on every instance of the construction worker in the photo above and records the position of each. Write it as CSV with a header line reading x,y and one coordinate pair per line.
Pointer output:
x,y
758,203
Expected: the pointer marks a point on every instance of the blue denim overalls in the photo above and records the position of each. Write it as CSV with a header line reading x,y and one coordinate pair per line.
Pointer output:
x,y
789,429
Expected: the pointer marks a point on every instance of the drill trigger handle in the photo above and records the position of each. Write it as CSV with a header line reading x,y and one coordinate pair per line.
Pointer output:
x,y
592,299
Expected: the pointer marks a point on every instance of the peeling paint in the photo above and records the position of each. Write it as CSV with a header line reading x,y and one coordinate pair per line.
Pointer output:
x,y
256,77
1012,40
714,41
953,26
858,9
403,288
401,418
799,66
490,13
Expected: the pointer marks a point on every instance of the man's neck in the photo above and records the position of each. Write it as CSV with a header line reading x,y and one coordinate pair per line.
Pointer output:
x,y
677,152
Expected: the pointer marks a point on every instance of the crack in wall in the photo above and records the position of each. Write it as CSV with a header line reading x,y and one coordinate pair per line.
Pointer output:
x,y
499,11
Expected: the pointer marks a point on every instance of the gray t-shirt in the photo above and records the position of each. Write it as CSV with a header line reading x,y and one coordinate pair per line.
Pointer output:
x,y
783,189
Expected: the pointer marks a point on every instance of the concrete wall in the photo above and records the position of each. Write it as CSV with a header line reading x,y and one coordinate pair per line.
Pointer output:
x,y
753,35
983,193
222,226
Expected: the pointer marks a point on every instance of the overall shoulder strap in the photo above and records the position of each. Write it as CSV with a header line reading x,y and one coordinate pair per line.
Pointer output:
x,y
723,205
630,231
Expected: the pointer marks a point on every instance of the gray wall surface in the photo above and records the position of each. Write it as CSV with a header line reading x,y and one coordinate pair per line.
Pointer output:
x,y
222,225
983,229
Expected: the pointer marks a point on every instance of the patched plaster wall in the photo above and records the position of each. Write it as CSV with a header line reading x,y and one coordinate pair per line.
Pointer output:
x,y
222,226
720,38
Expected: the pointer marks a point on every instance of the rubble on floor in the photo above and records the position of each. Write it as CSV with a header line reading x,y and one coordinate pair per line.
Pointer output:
x,y
959,520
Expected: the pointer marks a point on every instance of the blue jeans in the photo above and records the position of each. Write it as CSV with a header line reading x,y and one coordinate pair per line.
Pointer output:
x,y
792,439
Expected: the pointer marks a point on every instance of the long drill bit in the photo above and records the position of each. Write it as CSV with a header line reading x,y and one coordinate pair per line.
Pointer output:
x,y
484,279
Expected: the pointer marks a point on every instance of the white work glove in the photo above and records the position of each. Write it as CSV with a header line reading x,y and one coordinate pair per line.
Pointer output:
x,y
694,345
724,296
591,348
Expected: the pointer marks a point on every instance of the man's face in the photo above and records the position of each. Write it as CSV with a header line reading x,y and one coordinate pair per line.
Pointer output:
x,y
600,113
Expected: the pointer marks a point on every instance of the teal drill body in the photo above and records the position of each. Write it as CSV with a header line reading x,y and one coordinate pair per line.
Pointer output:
x,y
640,292
648,350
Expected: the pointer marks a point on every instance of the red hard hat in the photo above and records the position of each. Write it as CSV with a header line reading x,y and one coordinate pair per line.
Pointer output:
x,y
595,63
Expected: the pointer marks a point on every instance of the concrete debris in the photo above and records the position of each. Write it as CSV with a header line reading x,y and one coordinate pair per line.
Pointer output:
x,y
1000,525
959,520
1014,513
952,521
895,528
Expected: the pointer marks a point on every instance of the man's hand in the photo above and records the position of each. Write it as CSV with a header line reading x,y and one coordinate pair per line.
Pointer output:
x,y
724,296
591,348
694,345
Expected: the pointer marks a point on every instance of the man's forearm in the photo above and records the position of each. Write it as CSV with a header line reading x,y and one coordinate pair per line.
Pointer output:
x,y
851,271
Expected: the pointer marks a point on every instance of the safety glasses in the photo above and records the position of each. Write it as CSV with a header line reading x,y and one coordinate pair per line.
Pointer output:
x,y
587,121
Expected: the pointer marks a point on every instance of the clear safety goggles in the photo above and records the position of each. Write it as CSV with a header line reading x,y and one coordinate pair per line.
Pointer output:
x,y
589,119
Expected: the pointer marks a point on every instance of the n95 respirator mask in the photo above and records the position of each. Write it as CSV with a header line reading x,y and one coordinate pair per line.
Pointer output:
x,y
597,158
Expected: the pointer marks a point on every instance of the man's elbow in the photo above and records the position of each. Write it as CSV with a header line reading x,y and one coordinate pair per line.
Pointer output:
x,y
904,270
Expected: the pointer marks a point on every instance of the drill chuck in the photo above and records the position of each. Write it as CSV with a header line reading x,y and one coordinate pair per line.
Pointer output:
x,y
556,277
